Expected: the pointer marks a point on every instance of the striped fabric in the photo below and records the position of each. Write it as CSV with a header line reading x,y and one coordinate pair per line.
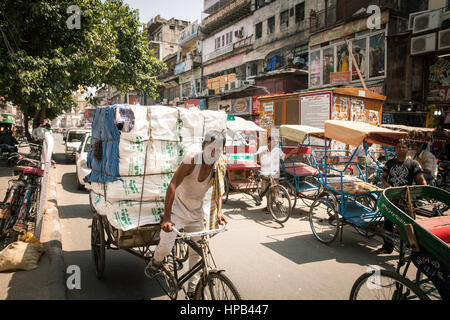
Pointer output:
x,y
218,185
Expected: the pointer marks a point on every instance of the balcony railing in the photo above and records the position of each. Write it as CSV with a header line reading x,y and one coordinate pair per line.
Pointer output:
x,y
319,20
244,42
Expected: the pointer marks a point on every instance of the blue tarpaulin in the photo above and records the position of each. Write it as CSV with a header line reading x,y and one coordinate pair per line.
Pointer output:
x,y
103,158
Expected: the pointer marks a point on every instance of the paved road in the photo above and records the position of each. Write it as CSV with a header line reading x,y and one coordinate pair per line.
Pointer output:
x,y
264,260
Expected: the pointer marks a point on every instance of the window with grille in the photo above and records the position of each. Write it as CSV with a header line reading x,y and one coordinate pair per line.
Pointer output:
x,y
284,19
271,25
300,12
258,30
278,113
292,112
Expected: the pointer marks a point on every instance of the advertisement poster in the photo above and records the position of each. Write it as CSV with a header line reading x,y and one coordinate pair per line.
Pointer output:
x,y
192,103
224,105
242,106
256,105
315,109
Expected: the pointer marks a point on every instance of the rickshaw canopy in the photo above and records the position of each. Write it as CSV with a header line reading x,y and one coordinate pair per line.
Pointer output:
x,y
299,133
354,133
240,124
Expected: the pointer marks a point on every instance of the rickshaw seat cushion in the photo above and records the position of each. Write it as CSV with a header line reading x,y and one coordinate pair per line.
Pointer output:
x,y
242,165
439,226
300,169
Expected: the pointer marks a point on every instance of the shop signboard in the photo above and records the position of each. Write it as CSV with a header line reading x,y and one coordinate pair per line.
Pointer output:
x,y
241,106
338,78
315,109
195,103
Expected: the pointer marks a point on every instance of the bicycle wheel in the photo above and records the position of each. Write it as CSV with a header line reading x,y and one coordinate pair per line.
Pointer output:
x,y
387,285
181,250
98,245
324,220
292,191
279,203
217,286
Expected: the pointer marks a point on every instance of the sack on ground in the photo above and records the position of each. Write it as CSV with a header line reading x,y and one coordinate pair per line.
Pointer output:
x,y
20,255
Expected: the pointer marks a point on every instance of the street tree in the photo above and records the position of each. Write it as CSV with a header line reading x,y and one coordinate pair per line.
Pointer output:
x,y
49,48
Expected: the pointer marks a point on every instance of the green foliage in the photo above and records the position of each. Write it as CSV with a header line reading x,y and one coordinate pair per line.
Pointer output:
x,y
42,61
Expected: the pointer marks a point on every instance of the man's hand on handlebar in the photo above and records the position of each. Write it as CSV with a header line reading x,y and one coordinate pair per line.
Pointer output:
x,y
222,219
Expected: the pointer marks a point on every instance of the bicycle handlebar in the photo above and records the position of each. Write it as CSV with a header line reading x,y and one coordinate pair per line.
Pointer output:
x,y
185,235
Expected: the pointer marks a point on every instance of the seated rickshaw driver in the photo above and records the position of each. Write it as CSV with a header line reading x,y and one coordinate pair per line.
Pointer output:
x,y
426,159
398,172
270,163
184,203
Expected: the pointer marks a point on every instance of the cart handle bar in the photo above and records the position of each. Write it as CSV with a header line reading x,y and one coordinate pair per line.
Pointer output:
x,y
185,235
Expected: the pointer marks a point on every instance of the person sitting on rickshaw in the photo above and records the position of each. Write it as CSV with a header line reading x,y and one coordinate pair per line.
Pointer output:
x,y
270,163
398,172
8,141
426,159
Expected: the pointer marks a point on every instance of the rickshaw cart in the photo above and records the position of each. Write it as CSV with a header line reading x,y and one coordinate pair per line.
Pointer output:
x,y
301,176
241,159
136,241
347,199
424,242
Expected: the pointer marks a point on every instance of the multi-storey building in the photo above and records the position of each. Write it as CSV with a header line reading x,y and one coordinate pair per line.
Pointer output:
x,y
279,60
163,35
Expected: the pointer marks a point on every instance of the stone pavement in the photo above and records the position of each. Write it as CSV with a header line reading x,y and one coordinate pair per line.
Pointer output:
x,y
46,281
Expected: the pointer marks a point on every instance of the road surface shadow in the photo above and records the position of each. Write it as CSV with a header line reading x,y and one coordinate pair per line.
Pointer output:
x,y
123,277
75,211
60,158
354,249
69,183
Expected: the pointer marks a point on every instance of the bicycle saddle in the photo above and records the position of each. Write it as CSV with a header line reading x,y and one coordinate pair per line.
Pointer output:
x,y
29,170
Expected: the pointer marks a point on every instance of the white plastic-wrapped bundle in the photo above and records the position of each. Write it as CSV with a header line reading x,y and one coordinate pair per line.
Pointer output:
x,y
192,123
134,120
148,188
215,120
162,156
164,123
127,214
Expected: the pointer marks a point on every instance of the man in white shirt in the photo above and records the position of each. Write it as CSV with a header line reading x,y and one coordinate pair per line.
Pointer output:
x,y
426,159
270,162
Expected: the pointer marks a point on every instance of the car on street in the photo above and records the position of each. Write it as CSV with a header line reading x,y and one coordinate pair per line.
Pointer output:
x,y
81,161
73,142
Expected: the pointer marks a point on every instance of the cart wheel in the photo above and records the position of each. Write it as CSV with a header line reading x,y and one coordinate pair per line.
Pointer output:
x,y
279,203
98,245
227,189
324,219
291,190
386,285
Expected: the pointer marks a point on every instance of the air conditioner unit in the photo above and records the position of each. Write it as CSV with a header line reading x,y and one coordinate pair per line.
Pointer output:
x,y
248,82
228,86
211,92
199,46
444,39
222,90
422,44
411,18
427,21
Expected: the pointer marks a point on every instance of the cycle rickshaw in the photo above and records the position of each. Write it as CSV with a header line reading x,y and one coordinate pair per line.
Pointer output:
x,y
346,198
243,171
300,177
424,242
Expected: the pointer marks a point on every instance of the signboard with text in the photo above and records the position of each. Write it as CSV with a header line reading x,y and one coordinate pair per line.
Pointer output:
x,y
444,94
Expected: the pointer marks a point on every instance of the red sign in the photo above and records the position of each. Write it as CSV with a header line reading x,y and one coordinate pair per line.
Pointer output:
x,y
340,78
444,94
255,105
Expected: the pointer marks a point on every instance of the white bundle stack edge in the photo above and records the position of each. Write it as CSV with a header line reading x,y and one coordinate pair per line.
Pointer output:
x,y
148,157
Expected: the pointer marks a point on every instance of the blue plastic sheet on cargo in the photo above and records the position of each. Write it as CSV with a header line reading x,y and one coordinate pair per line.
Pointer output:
x,y
103,159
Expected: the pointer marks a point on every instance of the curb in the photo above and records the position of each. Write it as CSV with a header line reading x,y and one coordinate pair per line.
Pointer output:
x,y
53,245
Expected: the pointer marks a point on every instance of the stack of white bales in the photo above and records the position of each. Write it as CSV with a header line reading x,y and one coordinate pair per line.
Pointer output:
x,y
149,155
